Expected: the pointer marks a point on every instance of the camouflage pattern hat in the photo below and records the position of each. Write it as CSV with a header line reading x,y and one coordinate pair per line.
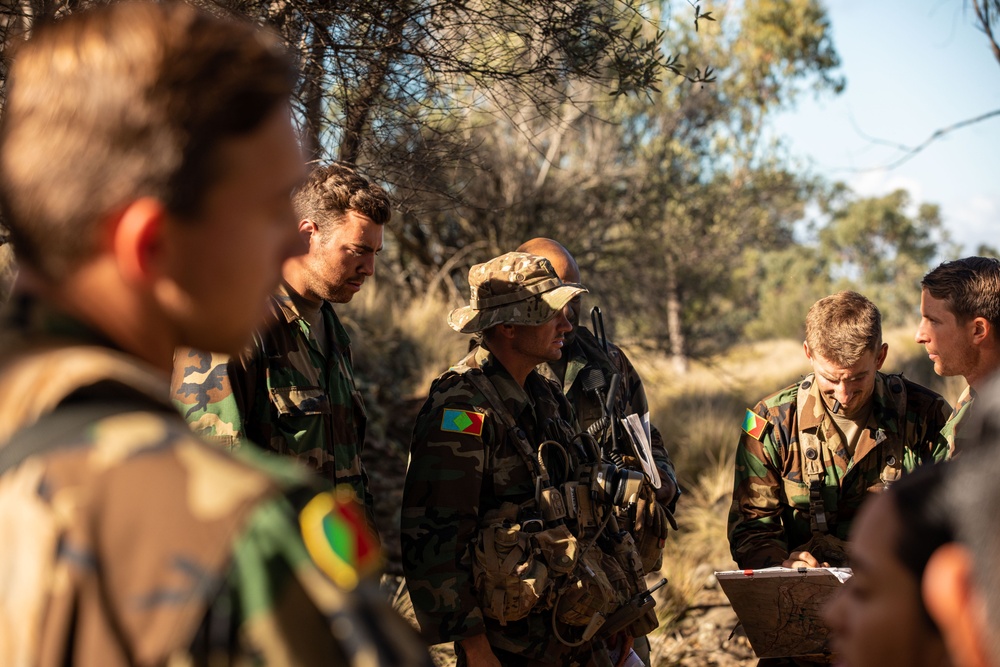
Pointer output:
x,y
516,288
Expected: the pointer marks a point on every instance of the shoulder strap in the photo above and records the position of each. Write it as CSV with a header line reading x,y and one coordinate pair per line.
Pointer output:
x,y
811,462
61,427
485,387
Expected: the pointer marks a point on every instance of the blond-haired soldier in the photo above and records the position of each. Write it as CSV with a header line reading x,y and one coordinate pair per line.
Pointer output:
x,y
811,453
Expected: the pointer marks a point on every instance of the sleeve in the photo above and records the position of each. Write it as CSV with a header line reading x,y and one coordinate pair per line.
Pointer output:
x,y
756,535
277,607
202,389
439,520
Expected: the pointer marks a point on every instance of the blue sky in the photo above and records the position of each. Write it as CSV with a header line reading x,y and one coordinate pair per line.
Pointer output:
x,y
912,67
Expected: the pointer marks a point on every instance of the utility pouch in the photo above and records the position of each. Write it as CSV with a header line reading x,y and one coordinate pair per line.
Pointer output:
x,y
588,593
509,579
558,548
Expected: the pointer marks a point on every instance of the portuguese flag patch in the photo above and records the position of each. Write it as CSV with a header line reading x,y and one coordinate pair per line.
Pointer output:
x,y
462,421
338,538
754,425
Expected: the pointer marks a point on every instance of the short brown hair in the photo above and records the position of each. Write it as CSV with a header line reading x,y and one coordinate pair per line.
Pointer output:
x,y
970,287
120,102
332,190
842,327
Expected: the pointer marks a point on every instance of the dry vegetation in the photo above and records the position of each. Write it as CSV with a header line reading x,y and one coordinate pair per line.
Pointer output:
x,y
699,414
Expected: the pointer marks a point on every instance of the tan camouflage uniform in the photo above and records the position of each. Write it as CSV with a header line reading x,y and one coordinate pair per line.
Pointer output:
x,y
771,516
283,394
138,544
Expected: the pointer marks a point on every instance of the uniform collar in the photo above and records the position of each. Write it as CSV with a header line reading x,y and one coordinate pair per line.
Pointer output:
x,y
286,306
510,392
28,315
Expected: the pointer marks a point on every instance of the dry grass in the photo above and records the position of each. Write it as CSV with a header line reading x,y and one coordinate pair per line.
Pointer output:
x,y
698,413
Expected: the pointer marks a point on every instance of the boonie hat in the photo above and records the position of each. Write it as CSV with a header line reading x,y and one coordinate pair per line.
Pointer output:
x,y
516,288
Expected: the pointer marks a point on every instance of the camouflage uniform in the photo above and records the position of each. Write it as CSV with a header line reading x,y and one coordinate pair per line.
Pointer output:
x,y
950,435
284,395
452,481
136,543
771,515
484,551
585,352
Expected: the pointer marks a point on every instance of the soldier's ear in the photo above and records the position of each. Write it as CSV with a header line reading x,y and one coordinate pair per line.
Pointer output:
x,y
307,229
880,357
952,601
980,329
506,330
137,240
805,348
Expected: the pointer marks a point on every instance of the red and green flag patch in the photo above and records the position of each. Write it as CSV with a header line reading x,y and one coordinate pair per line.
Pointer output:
x,y
754,425
462,421
338,538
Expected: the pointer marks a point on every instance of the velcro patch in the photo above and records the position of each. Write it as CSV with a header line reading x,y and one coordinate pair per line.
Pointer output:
x,y
754,425
337,537
463,421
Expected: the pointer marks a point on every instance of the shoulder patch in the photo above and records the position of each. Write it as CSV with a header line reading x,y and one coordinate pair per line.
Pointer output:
x,y
462,421
337,537
754,425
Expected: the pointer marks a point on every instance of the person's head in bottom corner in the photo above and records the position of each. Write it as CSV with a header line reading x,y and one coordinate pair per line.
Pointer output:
x,y
879,619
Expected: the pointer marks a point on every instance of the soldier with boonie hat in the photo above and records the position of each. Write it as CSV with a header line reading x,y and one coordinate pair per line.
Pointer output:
x,y
515,288
492,560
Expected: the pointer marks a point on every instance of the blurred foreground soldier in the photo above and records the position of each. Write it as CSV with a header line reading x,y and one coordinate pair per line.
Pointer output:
x,y
586,373
510,545
960,328
811,454
293,391
137,141
961,584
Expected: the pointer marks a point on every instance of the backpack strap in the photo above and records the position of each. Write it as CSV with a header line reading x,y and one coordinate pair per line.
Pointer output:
x,y
485,387
812,456
63,426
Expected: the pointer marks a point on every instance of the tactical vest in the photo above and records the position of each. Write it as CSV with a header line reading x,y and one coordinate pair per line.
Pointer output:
x,y
815,454
558,551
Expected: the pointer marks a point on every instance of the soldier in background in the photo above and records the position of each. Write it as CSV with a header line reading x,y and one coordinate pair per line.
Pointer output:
x,y
504,551
583,355
960,328
146,156
811,453
961,584
293,390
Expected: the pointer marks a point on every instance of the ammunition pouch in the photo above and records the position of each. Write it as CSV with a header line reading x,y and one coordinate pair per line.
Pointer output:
x,y
510,580
590,590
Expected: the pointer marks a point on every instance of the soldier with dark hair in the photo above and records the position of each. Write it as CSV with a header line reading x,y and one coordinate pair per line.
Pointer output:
x,y
293,390
812,453
146,159
510,550
960,328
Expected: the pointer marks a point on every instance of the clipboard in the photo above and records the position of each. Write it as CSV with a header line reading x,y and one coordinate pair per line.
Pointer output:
x,y
781,608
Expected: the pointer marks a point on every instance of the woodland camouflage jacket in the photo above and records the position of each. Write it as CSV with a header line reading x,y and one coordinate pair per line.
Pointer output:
x,y
138,543
770,513
463,463
283,395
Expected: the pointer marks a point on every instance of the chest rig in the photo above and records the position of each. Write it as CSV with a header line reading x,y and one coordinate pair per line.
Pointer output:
x,y
560,551
815,454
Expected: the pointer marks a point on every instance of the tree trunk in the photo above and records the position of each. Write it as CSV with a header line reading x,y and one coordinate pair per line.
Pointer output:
x,y
675,331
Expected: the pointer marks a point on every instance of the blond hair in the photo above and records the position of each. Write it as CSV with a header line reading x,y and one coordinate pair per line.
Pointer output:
x,y
842,327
